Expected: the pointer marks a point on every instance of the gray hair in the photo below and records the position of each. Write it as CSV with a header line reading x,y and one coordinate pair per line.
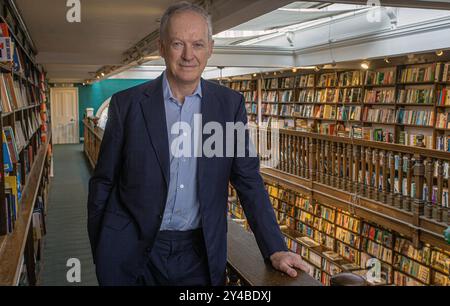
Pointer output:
x,y
180,7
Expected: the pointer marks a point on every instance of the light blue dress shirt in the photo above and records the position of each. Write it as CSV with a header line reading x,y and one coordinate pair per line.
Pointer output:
x,y
182,210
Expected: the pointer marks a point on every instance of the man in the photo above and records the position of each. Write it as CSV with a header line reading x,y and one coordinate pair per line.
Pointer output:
x,y
157,217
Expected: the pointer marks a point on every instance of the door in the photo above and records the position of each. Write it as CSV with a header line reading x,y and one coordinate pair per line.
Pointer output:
x,y
64,108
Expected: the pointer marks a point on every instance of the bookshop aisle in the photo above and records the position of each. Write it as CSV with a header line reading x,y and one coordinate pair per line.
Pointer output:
x,y
66,220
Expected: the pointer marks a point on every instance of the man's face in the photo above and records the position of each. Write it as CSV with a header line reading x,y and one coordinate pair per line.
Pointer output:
x,y
186,47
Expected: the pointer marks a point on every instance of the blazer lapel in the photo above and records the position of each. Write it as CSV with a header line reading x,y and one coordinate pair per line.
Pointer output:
x,y
154,114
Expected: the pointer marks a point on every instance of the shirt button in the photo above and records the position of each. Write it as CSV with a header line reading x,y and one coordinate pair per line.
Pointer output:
x,y
181,186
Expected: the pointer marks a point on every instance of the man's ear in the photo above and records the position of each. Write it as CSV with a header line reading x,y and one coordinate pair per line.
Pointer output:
x,y
161,48
210,48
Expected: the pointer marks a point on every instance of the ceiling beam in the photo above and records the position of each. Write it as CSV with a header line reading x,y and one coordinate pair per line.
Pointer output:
x,y
436,5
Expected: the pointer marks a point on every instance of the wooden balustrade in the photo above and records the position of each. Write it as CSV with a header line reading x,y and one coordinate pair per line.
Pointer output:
x,y
410,179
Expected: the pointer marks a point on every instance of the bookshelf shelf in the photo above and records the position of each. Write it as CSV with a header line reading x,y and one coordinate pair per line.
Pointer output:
x,y
13,245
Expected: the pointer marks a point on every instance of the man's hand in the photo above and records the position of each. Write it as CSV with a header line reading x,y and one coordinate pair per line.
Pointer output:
x,y
287,261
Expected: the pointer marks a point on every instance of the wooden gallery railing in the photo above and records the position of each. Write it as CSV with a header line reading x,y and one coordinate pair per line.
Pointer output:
x,y
380,182
245,263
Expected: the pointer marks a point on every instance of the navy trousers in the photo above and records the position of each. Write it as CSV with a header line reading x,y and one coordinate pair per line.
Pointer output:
x,y
178,258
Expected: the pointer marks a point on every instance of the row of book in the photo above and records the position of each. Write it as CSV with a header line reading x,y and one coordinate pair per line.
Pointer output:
x,y
415,117
420,73
444,97
243,85
380,77
250,96
327,80
252,108
379,95
419,96
377,250
351,78
14,94
376,242
347,113
442,120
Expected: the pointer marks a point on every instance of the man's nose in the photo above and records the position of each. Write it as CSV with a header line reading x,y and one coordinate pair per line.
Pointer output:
x,y
188,53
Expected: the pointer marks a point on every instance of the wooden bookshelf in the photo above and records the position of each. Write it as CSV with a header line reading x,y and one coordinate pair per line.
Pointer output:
x,y
26,155
345,116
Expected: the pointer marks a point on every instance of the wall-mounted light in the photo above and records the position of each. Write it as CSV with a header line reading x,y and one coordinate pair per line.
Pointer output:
x,y
439,52
103,74
98,77
294,70
317,69
254,74
387,60
365,65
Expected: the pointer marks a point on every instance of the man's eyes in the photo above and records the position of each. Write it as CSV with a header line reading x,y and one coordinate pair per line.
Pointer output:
x,y
195,45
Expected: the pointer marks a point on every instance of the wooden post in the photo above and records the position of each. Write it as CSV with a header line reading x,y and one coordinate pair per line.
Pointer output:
x,y
312,159
391,178
418,204
333,165
362,184
437,209
329,163
399,196
429,179
370,183
355,174
385,177
339,165
377,174
407,202
349,179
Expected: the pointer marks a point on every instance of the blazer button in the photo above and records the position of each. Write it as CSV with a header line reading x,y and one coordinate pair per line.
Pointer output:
x,y
160,216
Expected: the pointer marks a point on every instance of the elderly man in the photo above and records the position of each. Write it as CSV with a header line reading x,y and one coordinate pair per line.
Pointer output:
x,y
158,217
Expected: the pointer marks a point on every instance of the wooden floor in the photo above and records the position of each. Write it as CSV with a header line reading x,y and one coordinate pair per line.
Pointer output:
x,y
67,219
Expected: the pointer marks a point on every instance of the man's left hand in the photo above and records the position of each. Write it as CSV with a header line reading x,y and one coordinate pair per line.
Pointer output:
x,y
287,261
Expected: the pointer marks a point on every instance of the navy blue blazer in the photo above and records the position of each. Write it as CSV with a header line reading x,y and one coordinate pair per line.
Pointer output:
x,y
128,190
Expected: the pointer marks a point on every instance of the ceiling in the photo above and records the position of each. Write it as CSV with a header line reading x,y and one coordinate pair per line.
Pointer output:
x,y
74,52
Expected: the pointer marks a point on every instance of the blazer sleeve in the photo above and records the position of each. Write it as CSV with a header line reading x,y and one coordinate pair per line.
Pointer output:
x,y
106,171
246,179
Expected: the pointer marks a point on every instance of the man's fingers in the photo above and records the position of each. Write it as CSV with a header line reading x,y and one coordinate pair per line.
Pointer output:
x,y
288,270
298,263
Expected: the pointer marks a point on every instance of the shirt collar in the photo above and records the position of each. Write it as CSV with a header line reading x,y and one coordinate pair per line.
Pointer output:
x,y
168,92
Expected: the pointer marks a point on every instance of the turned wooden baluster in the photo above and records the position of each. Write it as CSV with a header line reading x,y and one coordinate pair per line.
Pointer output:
x,y
399,195
377,175
419,203
312,159
357,159
437,209
345,166
295,156
307,155
322,161
339,165
445,210
391,195
318,160
362,180
429,180
300,157
349,180
290,155
281,155
419,177
409,165
333,165
330,164
370,180
385,177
